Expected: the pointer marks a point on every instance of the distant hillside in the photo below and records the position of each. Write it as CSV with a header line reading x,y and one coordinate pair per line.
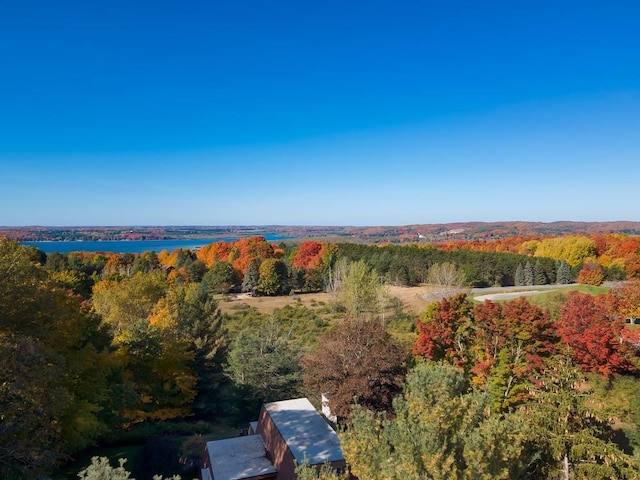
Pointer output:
x,y
491,230
374,234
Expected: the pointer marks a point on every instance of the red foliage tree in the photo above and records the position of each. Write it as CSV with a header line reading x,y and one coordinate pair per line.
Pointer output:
x,y
513,341
445,331
595,335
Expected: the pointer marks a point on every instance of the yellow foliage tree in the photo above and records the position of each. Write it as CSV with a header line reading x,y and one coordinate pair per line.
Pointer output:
x,y
575,249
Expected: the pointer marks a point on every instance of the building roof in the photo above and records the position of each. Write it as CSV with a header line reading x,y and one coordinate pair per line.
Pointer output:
x,y
305,431
239,458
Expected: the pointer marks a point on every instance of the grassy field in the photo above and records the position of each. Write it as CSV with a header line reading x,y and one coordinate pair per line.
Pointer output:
x,y
411,298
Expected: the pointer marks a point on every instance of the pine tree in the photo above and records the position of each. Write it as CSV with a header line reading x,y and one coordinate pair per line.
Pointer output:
x,y
563,273
519,278
528,274
539,277
250,282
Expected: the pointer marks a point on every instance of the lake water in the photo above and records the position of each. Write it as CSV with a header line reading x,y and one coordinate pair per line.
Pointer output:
x,y
135,246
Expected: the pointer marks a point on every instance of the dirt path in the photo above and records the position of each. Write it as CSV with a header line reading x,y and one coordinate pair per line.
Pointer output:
x,y
509,295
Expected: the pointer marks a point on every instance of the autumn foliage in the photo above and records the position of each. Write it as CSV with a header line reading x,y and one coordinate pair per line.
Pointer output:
x,y
505,344
445,333
501,345
595,334
591,274
309,255
358,362
240,253
612,250
627,299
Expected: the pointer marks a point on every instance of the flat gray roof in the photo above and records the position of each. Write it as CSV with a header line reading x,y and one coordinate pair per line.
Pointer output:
x,y
307,433
238,458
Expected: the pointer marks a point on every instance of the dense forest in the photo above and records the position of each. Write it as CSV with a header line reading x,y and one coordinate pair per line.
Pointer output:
x,y
116,349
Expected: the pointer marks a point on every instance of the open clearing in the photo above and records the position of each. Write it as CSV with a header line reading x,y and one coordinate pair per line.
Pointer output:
x,y
412,298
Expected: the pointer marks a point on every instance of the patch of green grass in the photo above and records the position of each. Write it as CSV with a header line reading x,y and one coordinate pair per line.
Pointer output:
x,y
554,299
592,289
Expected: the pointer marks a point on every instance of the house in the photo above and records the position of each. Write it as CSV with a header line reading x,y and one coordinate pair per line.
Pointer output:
x,y
287,433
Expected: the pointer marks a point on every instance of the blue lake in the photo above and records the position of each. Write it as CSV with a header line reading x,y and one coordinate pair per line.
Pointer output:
x,y
135,246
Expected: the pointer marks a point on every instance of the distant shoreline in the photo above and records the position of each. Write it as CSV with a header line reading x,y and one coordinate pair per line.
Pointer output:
x,y
132,246
415,233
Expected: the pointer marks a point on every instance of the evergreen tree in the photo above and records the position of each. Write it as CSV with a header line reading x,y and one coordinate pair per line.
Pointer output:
x,y
250,282
528,274
539,277
264,363
576,444
563,273
519,278
440,430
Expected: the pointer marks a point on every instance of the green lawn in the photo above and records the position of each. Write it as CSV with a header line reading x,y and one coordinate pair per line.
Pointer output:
x,y
553,300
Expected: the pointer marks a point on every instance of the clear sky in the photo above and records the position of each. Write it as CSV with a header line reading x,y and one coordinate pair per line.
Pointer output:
x,y
318,113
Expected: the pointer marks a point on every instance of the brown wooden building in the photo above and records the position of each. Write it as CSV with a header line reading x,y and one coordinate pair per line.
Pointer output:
x,y
287,433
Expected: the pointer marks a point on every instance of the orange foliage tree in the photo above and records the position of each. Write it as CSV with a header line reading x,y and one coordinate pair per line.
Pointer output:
x,y
627,299
591,274
308,255
214,252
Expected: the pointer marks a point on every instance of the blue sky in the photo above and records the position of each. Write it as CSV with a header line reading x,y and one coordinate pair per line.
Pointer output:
x,y
318,113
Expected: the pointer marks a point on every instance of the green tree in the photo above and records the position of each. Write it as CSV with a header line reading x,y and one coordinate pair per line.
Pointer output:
x,y
324,472
221,278
101,469
440,429
359,289
250,281
539,276
273,277
190,317
575,442
519,277
528,274
144,316
563,272
122,305
264,362
146,262
52,372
